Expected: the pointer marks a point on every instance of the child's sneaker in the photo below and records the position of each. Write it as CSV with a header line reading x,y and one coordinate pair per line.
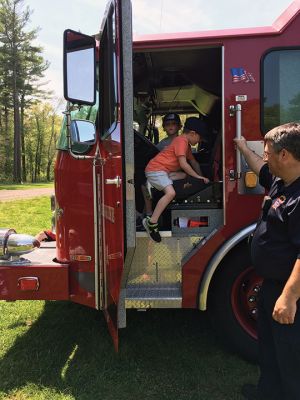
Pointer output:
x,y
152,230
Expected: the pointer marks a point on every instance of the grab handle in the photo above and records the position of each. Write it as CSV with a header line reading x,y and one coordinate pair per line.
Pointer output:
x,y
238,113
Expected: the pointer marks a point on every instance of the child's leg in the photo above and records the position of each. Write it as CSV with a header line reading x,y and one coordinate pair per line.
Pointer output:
x,y
148,201
162,203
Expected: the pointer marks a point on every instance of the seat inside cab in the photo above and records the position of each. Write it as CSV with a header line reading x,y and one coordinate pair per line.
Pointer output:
x,y
189,83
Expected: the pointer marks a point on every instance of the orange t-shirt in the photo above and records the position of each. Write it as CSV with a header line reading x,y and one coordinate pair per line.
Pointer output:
x,y
167,159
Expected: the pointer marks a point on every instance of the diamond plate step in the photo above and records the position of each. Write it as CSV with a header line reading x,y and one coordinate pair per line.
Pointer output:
x,y
153,296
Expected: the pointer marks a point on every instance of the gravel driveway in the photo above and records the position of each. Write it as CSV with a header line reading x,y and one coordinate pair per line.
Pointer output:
x,y
10,195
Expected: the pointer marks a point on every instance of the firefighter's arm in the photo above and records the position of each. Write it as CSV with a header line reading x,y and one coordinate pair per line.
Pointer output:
x,y
254,161
185,166
286,305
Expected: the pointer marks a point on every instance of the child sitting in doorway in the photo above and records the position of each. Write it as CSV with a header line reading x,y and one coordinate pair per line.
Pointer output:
x,y
165,167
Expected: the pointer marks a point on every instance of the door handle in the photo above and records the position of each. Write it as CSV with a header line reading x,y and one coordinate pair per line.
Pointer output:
x,y
115,181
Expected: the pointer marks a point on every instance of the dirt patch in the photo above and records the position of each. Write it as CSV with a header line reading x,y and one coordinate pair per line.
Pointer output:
x,y
11,195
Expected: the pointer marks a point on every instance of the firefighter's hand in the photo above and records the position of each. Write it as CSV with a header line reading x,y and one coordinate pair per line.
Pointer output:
x,y
285,309
241,143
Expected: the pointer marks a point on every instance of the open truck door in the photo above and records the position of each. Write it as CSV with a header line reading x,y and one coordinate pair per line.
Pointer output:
x,y
114,222
115,194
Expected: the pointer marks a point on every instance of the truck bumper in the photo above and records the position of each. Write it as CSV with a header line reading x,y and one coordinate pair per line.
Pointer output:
x,y
36,278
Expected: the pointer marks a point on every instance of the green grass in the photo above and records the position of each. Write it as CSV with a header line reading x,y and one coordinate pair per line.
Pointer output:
x,y
56,350
26,216
25,186
62,351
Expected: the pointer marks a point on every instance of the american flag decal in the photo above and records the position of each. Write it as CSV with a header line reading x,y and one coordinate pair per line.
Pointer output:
x,y
241,75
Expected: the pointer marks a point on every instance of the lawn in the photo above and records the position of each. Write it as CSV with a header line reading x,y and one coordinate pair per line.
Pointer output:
x,y
26,216
59,350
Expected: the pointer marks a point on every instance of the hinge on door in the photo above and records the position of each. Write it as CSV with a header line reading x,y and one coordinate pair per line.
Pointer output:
x,y
232,175
232,110
99,160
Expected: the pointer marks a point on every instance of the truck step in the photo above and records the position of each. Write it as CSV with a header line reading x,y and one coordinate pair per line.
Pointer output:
x,y
154,296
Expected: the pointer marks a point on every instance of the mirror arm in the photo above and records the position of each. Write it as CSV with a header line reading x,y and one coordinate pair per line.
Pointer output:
x,y
67,113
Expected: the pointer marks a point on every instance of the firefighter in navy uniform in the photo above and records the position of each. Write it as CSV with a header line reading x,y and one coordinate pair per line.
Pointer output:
x,y
275,251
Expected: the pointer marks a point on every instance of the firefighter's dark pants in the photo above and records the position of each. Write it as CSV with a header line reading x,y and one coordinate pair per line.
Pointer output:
x,y
279,349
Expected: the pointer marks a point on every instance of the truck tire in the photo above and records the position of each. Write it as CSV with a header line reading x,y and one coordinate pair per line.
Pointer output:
x,y
232,303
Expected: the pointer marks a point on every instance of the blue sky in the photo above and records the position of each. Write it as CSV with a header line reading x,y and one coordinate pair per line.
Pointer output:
x,y
149,16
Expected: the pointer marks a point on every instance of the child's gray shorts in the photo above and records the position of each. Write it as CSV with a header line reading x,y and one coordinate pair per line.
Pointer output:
x,y
159,179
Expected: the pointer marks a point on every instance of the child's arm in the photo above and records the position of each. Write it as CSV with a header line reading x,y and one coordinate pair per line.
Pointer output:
x,y
185,166
196,167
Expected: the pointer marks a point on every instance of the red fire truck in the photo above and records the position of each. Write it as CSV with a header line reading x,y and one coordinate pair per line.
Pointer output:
x,y
241,82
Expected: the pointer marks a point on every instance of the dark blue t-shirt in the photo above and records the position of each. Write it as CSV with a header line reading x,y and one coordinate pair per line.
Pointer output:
x,y
276,241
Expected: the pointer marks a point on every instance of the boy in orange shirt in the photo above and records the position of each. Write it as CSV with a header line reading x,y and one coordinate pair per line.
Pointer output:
x,y
168,165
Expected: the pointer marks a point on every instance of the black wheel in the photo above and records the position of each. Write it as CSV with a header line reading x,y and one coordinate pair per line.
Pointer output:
x,y
232,302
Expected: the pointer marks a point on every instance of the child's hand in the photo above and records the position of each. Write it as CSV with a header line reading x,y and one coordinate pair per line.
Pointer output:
x,y
206,180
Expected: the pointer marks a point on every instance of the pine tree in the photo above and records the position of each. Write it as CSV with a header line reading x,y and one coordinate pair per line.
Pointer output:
x,y
24,65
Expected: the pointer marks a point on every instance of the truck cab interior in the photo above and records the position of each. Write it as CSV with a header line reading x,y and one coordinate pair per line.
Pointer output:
x,y
189,83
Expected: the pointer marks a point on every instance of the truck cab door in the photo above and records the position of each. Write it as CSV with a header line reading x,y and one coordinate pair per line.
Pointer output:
x,y
115,193
113,165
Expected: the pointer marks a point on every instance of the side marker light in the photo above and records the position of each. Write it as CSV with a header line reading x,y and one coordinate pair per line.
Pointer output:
x,y
29,283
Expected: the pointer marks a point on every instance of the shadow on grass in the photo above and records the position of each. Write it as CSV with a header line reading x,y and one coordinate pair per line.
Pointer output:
x,y
164,354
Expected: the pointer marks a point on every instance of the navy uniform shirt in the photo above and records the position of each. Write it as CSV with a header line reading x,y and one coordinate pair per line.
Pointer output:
x,y
276,242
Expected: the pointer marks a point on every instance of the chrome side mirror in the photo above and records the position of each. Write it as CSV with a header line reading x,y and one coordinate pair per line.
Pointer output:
x,y
79,68
83,131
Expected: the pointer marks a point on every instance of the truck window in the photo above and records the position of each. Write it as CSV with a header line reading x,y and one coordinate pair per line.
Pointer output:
x,y
108,76
280,88
85,112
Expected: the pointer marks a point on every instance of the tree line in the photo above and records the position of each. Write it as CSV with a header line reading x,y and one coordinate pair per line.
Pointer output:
x,y
29,126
